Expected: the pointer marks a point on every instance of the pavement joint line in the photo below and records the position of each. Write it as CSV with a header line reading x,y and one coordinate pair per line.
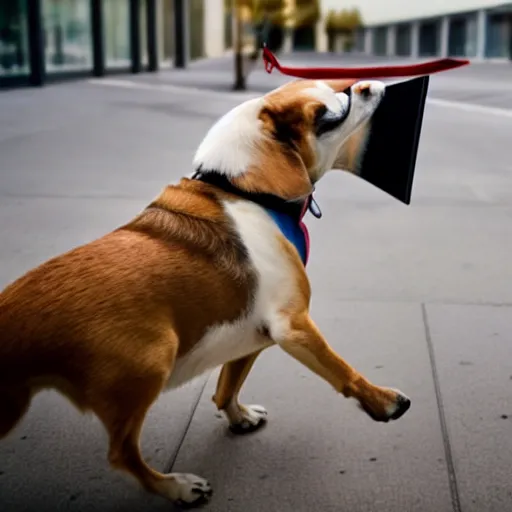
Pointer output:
x,y
131,84
452,477
174,456
179,89
394,300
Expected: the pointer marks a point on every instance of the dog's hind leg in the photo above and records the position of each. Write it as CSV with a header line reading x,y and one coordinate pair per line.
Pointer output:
x,y
242,418
122,404
305,343
14,403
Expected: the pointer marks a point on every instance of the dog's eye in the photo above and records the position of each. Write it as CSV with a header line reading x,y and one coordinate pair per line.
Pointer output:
x,y
326,120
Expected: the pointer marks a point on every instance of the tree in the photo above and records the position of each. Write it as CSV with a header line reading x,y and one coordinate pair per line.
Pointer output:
x,y
271,11
343,23
306,13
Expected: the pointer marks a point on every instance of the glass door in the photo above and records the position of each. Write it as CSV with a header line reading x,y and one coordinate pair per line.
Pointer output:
x,y
196,29
116,16
166,32
67,35
498,35
14,57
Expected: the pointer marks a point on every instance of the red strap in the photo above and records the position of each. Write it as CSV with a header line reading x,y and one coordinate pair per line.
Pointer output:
x,y
425,68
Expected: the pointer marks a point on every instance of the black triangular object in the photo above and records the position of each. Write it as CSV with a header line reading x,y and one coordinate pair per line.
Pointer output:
x,y
389,158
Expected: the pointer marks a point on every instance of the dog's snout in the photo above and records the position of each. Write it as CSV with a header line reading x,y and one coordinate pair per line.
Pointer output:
x,y
369,89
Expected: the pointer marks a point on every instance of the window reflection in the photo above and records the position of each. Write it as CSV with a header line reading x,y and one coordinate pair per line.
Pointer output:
x,y
67,35
116,16
166,32
14,59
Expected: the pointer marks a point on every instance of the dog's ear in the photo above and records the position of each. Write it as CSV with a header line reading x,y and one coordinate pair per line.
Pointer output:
x,y
284,156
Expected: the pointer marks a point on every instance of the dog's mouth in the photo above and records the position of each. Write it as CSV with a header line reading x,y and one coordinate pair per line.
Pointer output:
x,y
329,121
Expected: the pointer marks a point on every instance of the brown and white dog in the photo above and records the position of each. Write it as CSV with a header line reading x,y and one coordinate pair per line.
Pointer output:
x,y
202,277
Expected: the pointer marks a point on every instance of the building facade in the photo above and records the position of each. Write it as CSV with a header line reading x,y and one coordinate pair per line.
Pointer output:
x,y
44,40
476,33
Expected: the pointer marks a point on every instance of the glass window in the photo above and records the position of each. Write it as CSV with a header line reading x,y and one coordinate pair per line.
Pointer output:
x,y
360,36
166,32
380,41
165,24
429,39
498,36
471,35
116,16
14,58
457,37
403,40
228,29
196,29
67,35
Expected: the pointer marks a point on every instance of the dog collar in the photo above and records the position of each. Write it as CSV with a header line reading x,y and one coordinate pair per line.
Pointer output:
x,y
288,215
294,209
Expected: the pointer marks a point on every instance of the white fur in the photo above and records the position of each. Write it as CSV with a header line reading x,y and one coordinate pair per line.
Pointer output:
x,y
245,416
219,345
276,279
183,487
231,143
336,103
275,288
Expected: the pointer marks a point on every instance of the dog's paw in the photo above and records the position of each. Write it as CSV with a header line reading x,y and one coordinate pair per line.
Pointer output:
x,y
248,419
388,404
185,490
400,406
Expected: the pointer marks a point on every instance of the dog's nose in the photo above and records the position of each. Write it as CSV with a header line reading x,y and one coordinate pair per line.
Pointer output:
x,y
369,88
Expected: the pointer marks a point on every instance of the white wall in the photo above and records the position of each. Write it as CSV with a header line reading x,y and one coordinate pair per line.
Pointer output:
x,y
384,11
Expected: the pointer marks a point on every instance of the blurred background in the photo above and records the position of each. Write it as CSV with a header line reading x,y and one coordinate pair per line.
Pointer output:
x,y
45,39
417,297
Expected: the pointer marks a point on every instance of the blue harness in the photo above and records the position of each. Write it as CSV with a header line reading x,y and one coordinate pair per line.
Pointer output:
x,y
292,230
286,215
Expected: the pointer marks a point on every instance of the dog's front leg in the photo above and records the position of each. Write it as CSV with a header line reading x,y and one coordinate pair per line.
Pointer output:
x,y
304,342
242,418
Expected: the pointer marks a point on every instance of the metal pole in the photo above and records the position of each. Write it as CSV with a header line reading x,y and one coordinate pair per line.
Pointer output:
x,y
36,48
98,47
151,16
181,31
240,84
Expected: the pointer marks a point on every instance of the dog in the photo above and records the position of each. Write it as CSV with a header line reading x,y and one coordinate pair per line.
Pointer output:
x,y
205,276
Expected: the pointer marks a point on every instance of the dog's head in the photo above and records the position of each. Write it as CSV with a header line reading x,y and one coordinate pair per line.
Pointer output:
x,y
285,141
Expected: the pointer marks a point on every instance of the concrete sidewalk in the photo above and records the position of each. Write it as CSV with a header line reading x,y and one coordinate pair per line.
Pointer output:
x,y
415,297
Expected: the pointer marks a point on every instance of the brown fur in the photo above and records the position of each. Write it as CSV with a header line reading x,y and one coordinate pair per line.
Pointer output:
x,y
288,118
104,322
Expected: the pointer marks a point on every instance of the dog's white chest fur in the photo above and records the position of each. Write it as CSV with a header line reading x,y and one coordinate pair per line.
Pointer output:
x,y
275,288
